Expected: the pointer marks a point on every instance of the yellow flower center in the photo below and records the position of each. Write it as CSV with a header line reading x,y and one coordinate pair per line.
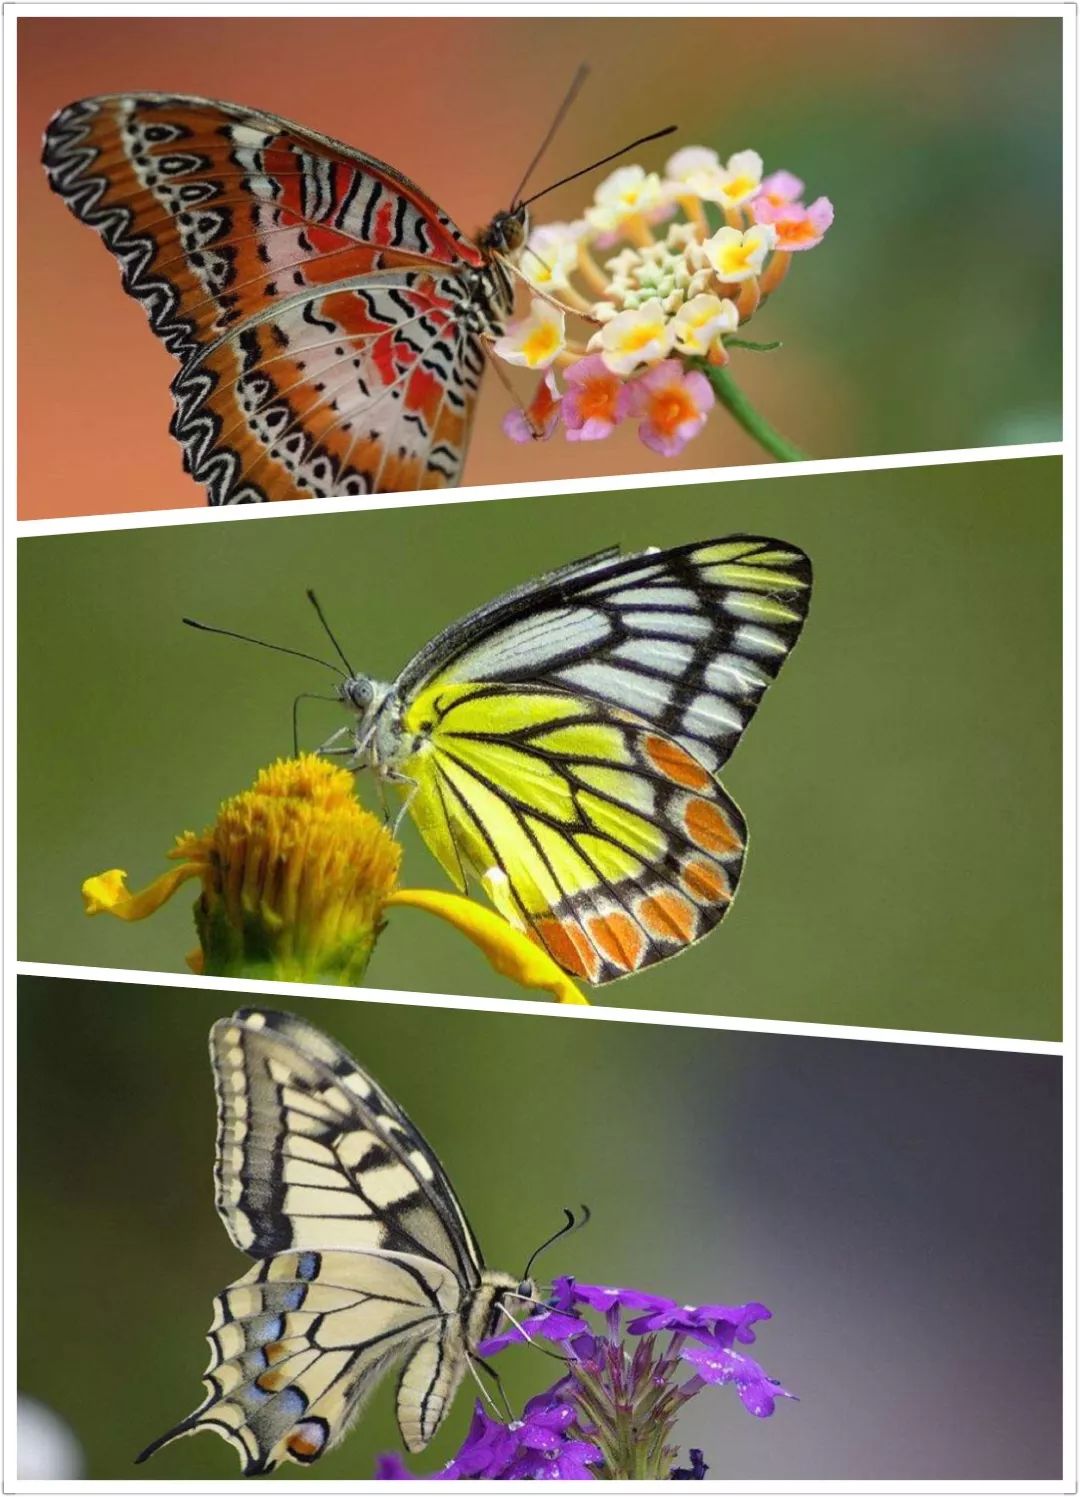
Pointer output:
x,y
541,343
738,257
641,336
738,186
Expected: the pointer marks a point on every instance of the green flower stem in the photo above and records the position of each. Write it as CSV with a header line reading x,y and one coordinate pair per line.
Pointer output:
x,y
730,396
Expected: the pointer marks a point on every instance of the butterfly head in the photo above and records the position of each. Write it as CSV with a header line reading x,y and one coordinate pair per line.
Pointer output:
x,y
502,1299
507,232
358,693
367,699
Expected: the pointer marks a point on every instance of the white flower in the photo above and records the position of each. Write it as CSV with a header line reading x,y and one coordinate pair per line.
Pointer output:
x,y
640,335
699,172
741,178
735,256
695,171
700,321
628,191
551,255
536,340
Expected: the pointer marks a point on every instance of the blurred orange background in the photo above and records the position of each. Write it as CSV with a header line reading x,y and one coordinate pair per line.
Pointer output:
x,y
902,332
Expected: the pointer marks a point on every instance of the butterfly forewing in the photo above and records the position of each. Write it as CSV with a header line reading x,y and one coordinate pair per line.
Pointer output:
x,y
364,1256
312,1153
573,731
326,313
686,639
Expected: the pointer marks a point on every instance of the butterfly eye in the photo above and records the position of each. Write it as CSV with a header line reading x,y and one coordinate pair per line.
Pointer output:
x,y
358,693
515,230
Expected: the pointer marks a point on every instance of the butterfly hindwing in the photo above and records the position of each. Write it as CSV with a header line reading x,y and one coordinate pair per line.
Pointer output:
x,y
605,838
298,1343
570,735
314,295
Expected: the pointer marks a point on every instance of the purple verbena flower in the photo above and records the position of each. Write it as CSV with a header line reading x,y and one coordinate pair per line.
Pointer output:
x,y
547,1324
726,1323
614,1409
719,1364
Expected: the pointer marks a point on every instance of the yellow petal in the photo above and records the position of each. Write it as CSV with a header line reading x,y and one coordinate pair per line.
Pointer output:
x,y
108,894
508,951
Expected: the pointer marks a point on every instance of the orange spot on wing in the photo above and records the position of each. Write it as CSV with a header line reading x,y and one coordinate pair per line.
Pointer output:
x,y
566,942
709,827
706,881
303,1446
269,1382
674,763
618,938
669,916
273,1351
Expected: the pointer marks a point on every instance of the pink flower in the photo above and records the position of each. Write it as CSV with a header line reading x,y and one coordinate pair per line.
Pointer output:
x,y
779,188
797,228
673,404
591,405
541,418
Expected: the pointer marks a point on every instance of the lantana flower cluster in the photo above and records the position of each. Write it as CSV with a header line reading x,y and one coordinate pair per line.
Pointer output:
x,y
663,272
630,1370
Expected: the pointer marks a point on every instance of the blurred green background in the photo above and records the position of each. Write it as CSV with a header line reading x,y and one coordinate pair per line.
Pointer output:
x,y
901,781
898,1207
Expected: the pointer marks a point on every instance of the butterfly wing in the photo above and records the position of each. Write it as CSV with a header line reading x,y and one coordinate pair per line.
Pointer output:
x,y
313,295
571,734
312,1153
299,1342
686,639
364,1253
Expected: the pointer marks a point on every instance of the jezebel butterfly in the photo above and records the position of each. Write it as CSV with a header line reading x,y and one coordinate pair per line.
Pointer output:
x,y
328,317
364,1260
562,743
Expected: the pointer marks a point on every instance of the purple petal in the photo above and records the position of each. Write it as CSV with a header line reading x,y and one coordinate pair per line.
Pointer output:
x,y
391,1467
552,1325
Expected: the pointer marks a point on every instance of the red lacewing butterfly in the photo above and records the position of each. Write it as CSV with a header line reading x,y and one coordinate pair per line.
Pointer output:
x,y
330,320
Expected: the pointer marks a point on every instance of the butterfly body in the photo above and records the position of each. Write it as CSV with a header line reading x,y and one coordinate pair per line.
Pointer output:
x,y
329,318
364,1258
561,744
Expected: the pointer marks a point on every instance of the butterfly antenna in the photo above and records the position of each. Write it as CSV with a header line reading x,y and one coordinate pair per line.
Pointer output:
x,y
313,600
523,1327
644,140
250,639
560,114
573,1224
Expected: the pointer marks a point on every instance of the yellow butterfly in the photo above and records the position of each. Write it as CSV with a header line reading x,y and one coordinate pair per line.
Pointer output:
x,y
562,742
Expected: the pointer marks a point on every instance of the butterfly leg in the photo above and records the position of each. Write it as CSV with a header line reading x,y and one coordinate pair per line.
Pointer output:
x,y
353,751
474,1361
487,348
399,779
305,696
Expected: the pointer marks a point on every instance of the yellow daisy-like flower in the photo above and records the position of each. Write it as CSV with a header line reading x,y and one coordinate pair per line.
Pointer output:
x,y
297,879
